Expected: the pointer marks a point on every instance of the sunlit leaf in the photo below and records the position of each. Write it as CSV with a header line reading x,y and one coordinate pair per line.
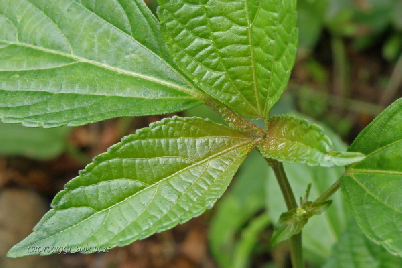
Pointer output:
x,y
295,140
240,52
71,62
321,232
149,182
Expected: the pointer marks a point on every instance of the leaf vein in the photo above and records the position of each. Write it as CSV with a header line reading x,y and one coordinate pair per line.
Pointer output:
x,y
156,185
368,192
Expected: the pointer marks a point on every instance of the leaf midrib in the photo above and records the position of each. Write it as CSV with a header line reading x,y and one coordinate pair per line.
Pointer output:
x,y
377,150
373,171
267,100
193,92
115,69
155,184
99,94
367,191
351,167
225,69
253,68
299,143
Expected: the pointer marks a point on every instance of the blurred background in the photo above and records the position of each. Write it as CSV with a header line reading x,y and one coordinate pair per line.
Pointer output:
x,y
348,70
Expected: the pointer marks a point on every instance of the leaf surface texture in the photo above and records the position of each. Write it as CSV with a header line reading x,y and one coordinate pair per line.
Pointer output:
x,y
151,181
71,62
321,232
373,187
295,140
240,51
354,250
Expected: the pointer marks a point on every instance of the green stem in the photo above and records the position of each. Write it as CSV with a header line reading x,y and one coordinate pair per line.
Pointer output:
x,y
290,200
328,193
283,183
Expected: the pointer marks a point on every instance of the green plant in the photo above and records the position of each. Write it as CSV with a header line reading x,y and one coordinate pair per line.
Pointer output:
x,y
71,62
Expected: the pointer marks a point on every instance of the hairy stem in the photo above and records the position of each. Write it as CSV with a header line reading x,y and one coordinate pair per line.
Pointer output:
x,y
233,119
296,240
328,193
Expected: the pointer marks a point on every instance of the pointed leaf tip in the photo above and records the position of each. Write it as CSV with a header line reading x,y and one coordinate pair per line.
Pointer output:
x,y
292,222
149,182
295,140
240,52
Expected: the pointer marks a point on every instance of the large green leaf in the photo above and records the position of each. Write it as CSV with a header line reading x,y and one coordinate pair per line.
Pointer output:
x,y
295,140
373,186
239,51
71,62
32,142
321,232
151,181
354,250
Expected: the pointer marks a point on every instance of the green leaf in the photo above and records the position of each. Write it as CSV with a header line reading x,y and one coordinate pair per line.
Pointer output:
x,y
292,222
372,187
321,232
71,62
295,140
354,250
32,142
245,198
239,51
149,182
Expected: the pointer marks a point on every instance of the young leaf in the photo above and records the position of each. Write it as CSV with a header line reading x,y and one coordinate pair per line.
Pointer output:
x,y
151,181
292,222
240,52
354,250
295,140
32,142
321,232
372,187
72,62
